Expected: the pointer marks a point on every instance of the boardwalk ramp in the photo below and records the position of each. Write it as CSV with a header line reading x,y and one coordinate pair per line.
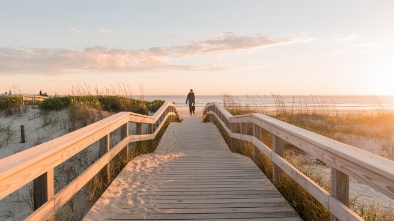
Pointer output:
x,y
192,176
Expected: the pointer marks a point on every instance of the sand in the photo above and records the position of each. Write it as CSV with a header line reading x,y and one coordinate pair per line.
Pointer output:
x,y
39,128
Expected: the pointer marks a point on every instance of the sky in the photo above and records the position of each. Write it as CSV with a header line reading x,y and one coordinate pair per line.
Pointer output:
x,y
246,47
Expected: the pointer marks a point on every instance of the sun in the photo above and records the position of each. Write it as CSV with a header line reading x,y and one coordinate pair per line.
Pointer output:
x,y
381,75
383,84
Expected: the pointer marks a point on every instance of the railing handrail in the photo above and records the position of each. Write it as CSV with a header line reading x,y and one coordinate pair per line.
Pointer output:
x,y
19,169
371,169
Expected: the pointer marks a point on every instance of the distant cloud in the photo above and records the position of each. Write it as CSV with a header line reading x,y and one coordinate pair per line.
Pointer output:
x,y
257,64
334,53
101,59
74,30
367,45
103,30
306,56
229,42
347,38
222,65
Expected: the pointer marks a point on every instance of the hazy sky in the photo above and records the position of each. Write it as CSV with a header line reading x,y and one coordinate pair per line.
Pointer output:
x,y
239,47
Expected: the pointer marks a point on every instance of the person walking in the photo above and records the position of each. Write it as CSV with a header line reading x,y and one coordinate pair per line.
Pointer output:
x,y
192,101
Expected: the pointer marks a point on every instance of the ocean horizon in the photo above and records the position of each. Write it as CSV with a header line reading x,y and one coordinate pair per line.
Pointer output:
x,y
335,101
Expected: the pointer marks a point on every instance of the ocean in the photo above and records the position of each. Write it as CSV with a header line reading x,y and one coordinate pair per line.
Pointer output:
x,y
337,102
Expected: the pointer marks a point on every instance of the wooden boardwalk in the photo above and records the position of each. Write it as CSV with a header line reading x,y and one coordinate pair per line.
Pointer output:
x,y
192,176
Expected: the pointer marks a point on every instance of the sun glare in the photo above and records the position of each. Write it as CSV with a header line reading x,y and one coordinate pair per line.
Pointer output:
x,y
382,76
383,84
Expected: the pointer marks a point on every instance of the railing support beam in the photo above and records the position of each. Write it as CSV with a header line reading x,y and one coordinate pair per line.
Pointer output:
x,y
278,146
124,131
43,189
339,188
233,128
256,133
104,148
138,129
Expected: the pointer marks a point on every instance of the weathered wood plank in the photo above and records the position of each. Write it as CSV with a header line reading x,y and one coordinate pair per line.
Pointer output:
x,y
189,188
232,219
221,204
219,196
218,201
207,210
207,216
168,183
213,194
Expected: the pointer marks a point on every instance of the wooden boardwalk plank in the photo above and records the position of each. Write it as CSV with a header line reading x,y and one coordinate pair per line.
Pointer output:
x,y
207,216
192,176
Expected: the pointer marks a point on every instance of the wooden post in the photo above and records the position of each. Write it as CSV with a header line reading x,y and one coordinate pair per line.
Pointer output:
x,y
243,128
104,148
23,140
233,128
339,188
138,129
242,142
43,189
124,131
256,133
278,147
150,129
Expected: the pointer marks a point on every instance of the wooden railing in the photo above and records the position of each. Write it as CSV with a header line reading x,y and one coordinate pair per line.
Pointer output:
x,y
343,159
37,163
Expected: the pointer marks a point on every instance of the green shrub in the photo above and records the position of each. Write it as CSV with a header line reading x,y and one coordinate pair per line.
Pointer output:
x,y
10,105
115,103
155,105
10,102
55,103
107,103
